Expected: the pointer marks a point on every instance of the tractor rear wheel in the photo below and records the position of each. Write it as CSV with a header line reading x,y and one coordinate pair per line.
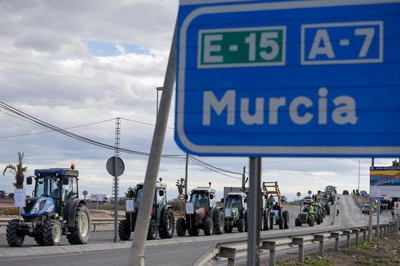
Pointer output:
x,y
219,224
51,232
207,226
123,230
181,227
14,238
297,222
167,229
152,233
80,233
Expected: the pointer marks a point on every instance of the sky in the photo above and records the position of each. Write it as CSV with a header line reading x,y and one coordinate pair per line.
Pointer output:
x,y
79,65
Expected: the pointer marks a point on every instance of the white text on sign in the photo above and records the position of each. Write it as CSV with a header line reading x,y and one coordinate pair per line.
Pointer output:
x,y
344,111
342,43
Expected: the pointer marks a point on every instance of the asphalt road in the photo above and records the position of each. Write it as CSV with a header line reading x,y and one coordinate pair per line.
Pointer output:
x,y
176,251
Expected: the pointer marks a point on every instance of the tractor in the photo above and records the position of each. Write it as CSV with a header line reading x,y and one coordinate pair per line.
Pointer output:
x,y
304,218
276,214
235,211
162,216
53,210
202,212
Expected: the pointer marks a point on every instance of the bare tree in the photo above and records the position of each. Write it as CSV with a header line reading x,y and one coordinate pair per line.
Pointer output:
x,y
17,170
181,185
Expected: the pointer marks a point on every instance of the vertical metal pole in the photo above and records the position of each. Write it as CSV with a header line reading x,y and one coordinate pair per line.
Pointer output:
x,y
186,173
136,257
116,155
370,211
378,227
253,220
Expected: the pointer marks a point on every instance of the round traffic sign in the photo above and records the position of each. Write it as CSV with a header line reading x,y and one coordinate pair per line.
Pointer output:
x,y
115,171
181,197
298,194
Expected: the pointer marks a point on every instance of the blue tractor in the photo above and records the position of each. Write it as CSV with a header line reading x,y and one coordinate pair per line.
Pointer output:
x,y
53,211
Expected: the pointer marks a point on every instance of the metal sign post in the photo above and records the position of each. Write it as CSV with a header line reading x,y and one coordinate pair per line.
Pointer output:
x,y
253,241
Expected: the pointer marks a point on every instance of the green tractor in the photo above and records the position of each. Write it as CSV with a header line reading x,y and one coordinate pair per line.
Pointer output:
x,y
53,211
162,216
318,213
325,204
235,211
304,218
203,213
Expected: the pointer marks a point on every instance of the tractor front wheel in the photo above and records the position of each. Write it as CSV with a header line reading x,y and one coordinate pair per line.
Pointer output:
x,y
207,226
152,233
14,238
123,230
167,229
51,232
219,223
81,232
240,225
181,227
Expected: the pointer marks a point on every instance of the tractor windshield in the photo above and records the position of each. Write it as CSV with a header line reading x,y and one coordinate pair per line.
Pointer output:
x,y
199,199
139,192
233,201
47,186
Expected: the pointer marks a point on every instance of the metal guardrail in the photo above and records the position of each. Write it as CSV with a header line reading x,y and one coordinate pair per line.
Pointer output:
x,y
95,221
230,250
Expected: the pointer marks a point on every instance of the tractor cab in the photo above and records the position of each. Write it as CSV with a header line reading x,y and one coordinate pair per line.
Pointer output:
x,y
203,198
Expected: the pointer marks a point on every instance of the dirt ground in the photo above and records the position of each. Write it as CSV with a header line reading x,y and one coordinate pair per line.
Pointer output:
x,y
387,253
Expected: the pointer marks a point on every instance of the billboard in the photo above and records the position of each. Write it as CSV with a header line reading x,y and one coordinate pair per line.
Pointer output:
x,y
384,182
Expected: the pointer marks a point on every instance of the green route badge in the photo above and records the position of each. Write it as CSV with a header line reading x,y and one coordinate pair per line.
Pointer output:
x,y
242,47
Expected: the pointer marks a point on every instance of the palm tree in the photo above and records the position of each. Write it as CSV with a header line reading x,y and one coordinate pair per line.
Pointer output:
x,y
181,185
18,171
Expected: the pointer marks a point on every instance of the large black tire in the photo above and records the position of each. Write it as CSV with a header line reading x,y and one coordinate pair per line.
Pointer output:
x,y
241,225
219,223
51,232
271,222
297,222
168,228
318,220
180,227
193,231
208,226
228,228
123,230
152,233
14,238
286,220
39,238
80,234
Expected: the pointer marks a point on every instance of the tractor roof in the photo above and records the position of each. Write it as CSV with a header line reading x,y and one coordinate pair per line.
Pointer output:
x,y
208,189
57,171
158,184
236,194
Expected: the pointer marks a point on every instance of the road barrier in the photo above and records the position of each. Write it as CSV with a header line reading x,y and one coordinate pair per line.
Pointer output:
x,y
230,250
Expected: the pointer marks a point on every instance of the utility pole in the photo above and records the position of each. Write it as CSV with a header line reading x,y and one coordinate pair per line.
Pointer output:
x,y
370,210
244,181
115,191
186,173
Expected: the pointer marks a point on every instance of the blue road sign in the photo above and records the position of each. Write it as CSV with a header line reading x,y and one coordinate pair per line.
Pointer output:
x,y
289,78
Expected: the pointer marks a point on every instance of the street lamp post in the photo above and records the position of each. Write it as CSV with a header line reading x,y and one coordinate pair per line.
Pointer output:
x,y
158,89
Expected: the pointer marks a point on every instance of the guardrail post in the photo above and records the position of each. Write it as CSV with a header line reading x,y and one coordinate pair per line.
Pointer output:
x,y
374,228
396,224
336,237
299,241
347,233
320,238
271,246
356,231
364,231
94,227
230,254
391,224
